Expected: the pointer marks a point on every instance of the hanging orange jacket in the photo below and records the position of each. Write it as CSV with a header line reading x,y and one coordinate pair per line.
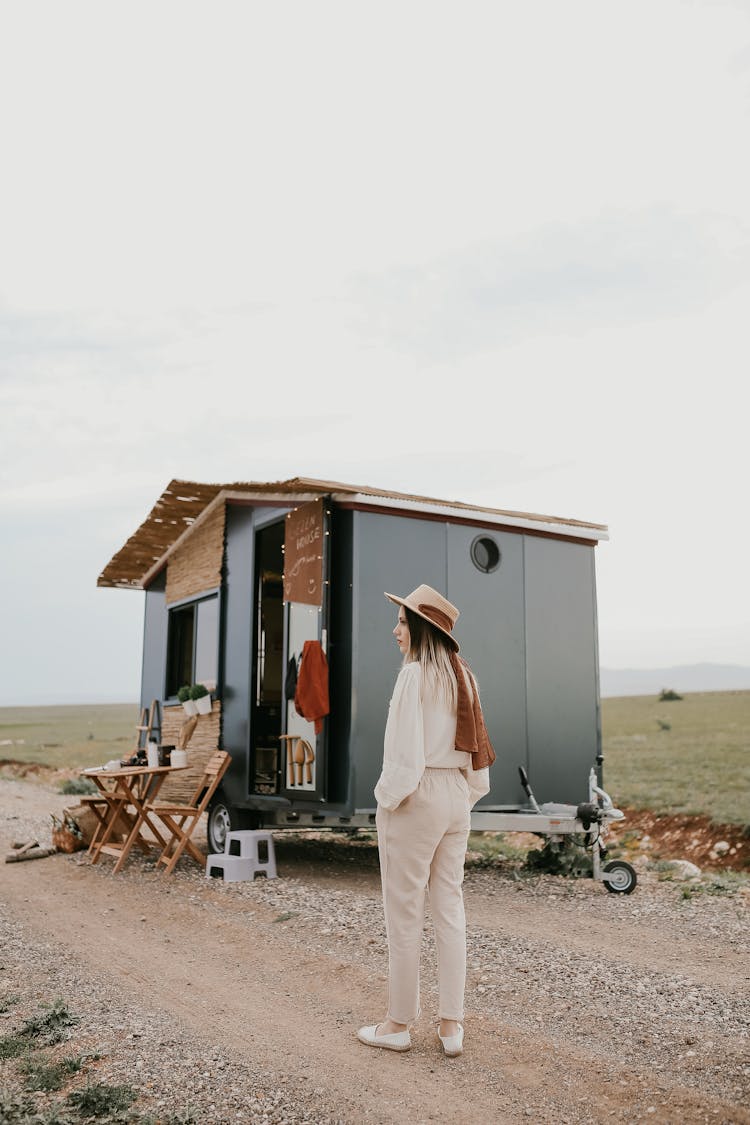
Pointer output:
x,y
311,695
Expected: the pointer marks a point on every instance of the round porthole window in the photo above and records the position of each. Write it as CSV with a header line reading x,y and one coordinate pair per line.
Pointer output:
x,y
485,554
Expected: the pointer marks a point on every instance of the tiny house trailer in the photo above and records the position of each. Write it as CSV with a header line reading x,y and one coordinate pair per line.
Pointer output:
x,y
240,579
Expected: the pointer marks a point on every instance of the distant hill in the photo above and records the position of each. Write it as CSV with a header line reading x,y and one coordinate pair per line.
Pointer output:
x,y
681,677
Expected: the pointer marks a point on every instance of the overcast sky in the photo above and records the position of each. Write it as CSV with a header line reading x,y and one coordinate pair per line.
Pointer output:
x,y
495,252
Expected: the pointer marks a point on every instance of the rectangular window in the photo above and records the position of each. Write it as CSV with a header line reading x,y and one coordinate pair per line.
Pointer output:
x,y
192,644
206,640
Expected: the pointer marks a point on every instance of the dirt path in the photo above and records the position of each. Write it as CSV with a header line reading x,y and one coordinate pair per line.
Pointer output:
x,y
582,1006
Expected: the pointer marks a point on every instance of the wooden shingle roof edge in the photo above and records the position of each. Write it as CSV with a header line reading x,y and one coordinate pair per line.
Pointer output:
x,y
184,504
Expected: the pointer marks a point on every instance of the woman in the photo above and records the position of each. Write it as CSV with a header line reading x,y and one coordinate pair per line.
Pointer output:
x,y
435,767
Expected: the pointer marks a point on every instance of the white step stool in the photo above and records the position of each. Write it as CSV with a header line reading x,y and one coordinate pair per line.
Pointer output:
x,y
232,868
246,853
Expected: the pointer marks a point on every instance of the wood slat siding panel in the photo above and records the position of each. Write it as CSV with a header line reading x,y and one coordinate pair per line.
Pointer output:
x,y
179,787
196,566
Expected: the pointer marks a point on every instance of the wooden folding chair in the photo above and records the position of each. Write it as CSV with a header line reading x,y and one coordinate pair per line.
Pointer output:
x,y
181,820
149,724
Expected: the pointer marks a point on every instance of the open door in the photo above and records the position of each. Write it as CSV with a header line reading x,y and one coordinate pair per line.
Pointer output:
x,y
305,595
266,712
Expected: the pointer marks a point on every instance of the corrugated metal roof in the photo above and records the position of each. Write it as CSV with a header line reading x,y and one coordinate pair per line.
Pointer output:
x,y
183,502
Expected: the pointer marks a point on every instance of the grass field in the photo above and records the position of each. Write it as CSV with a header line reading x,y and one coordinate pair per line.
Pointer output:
x,y
68,737
687,756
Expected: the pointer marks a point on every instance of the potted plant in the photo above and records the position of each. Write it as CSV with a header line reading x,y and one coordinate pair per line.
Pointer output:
x,y
201,696
186,700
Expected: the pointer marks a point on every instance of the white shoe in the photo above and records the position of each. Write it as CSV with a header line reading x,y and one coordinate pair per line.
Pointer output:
x,y
401,1041
453,1044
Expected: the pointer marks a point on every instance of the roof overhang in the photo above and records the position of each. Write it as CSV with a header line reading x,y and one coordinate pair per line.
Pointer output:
x,y
184,505
520,521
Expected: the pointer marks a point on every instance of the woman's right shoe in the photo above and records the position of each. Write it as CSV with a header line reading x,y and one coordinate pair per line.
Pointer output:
x,y
453,1044
401,1041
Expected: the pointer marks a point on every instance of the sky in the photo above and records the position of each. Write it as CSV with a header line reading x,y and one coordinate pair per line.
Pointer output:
x,y
491,252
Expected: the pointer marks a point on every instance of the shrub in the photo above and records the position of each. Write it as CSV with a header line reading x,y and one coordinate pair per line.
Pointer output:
x,y
11,1047
50,1024
566,857
491,849
43,1075
100,1100
667,695
197,691
77,786
17,1110
183,693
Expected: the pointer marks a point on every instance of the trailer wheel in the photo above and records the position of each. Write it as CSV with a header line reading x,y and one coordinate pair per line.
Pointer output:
x,y
619,877
223,818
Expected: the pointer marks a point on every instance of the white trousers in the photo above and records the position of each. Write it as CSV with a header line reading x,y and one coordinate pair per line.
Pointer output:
x,y
422,844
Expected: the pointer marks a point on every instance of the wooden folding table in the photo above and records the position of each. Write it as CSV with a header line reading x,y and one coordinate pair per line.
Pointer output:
x,y
125,796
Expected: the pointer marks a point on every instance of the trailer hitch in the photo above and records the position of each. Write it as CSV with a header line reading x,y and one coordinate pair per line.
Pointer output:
x,y
588,813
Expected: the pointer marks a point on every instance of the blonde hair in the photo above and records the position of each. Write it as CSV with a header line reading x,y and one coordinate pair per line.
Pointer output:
x,y
431,648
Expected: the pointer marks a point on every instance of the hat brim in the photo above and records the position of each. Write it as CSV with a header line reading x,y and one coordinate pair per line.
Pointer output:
x,y
413,609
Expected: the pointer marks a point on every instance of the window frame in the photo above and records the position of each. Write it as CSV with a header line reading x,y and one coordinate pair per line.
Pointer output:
x,y
481,541
194,601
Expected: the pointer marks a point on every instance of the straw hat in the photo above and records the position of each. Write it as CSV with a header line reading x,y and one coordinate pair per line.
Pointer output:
x,y
433,607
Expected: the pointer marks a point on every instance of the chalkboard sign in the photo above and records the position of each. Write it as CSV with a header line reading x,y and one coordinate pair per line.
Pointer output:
x,y
303,554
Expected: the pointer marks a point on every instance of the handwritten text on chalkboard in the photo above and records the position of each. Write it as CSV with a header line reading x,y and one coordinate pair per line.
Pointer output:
x,y
303,554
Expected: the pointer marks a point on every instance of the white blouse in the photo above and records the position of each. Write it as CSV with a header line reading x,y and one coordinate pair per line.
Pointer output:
x,y
418,734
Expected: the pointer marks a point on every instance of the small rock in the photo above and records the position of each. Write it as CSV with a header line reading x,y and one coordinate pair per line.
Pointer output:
x,y
721,847
684,869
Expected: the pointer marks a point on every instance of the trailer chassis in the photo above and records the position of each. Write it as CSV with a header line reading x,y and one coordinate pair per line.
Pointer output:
x,y
591,819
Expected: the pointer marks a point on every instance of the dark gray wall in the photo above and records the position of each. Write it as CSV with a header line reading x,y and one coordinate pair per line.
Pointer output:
x,y
237,630
561,668
491,633
155,622
394,554
528,630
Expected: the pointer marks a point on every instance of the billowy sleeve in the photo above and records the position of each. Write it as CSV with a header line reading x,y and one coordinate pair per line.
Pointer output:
x,y
403,751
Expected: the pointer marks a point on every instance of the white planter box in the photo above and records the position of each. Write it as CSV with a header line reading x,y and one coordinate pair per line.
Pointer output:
x,y
190,707
203,704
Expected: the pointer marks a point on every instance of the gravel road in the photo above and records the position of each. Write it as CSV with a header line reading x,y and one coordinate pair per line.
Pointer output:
x,y
239,1002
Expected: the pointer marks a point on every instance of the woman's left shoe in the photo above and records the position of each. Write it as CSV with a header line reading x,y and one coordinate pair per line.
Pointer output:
x,y
453,1044
401,1041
